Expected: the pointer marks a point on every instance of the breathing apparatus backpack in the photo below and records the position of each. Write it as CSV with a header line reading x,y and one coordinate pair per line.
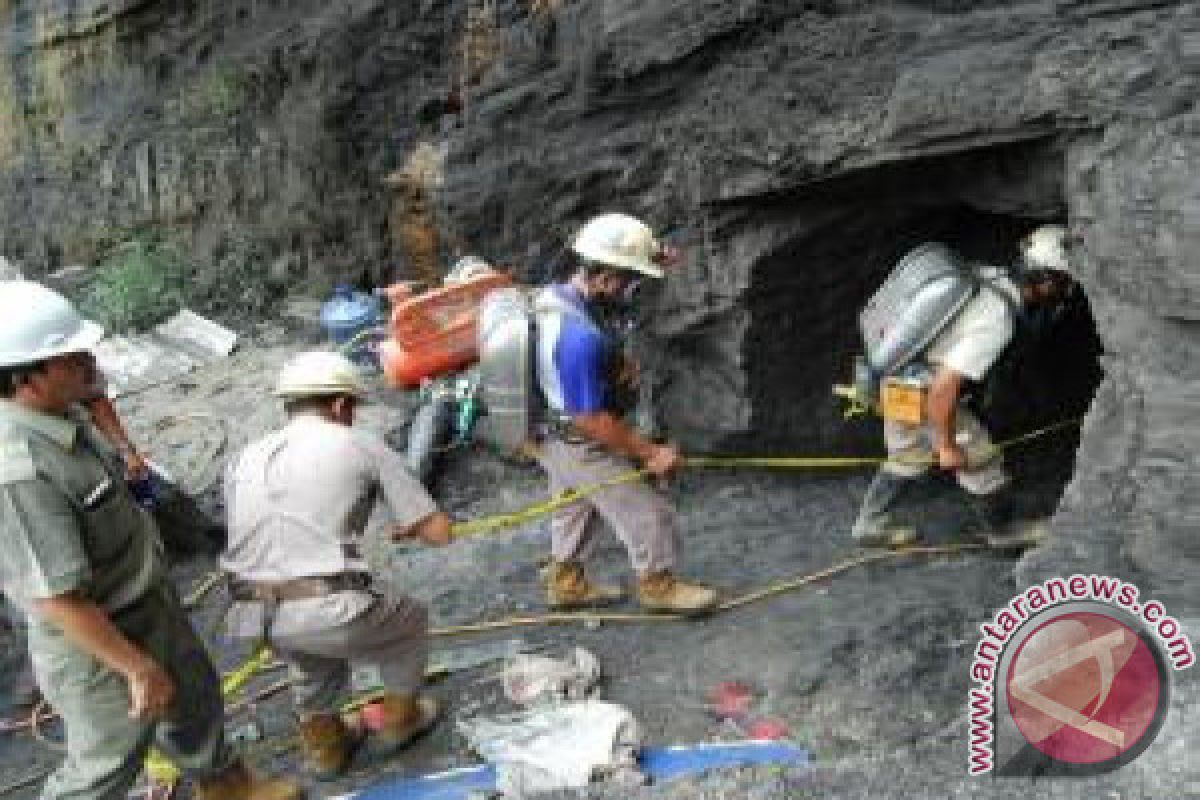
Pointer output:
x,y
923,293
510,397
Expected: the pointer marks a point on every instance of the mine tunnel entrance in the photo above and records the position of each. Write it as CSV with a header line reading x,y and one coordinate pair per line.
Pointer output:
x,y
807,293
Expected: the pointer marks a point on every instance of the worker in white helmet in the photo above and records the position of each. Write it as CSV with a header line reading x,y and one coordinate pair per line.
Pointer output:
x,y
588,442
951,437
298,502
113,650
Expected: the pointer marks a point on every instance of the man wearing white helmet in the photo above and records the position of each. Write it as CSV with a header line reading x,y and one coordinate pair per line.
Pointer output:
x,y
113,650
587,440
952,438
298,502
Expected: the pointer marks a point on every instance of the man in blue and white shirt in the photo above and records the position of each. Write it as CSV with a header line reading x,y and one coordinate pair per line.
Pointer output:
x,y
588,442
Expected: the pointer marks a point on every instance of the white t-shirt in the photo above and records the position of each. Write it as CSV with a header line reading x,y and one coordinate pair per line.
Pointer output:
x,y
974,339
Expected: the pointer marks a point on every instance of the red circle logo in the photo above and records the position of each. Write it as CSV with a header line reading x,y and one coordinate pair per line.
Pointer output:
x,y
1084,688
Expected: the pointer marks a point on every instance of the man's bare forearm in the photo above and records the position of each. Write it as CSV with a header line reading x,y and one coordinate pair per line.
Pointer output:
x,y
613,433
104,417
943,405
434,529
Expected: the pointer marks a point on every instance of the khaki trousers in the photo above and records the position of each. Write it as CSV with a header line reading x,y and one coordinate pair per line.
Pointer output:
x,y
640,516
105,748
910,455
390,637
910,452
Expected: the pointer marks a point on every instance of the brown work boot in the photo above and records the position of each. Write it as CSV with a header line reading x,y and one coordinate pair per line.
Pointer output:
x,y
567,587
326,745
239,783
662,591
402,718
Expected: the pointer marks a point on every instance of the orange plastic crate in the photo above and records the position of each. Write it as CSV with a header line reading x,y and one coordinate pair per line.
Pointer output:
x,y
435,332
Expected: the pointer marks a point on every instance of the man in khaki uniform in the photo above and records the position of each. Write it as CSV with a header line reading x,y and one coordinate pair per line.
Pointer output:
x,y
298,503
588,442
112,649
952,438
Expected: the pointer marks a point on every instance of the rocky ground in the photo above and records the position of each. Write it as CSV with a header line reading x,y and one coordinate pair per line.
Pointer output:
x,y
868,669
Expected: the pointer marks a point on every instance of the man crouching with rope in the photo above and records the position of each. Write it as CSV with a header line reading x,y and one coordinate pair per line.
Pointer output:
x,y
298,502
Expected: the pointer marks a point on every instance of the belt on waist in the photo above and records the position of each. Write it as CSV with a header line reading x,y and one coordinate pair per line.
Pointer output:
x,y
298,588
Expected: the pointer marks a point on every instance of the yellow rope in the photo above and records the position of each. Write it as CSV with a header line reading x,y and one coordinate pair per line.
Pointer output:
x,y
531,512
161,770
512,519
771,590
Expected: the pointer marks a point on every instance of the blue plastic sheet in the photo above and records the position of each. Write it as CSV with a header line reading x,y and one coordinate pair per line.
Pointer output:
x,y
660,763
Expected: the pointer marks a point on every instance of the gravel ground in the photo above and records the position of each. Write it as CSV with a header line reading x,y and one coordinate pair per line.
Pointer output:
x,y
868,669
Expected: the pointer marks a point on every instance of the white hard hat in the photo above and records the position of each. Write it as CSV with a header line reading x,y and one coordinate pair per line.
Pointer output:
x,y
467,268
40,323
319,373
1045,248
619,240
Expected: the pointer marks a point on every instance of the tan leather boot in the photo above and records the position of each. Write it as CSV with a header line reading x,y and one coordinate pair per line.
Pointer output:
x,y
567,587
662,591
403,717
326,745
239,783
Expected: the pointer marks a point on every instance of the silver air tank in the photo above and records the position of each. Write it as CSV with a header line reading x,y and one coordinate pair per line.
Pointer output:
x,y
507,388
923,292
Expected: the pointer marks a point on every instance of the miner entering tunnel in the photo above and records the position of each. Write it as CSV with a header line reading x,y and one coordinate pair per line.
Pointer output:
x,y
808,293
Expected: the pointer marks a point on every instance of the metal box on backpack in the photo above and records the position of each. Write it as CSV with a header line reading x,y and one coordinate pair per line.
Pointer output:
x,y
922,293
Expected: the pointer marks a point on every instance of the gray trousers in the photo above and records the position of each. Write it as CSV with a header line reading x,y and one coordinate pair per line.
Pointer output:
x,y
639,515
24,685
105,747
390,637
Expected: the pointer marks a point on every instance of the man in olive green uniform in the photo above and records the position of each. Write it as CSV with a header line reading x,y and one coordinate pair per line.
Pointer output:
x,y
112,649
22,692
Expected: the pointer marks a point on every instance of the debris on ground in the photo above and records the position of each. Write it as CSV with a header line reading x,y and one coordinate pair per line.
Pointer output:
x,y
530,679
556,747
733,701
567,738
135,362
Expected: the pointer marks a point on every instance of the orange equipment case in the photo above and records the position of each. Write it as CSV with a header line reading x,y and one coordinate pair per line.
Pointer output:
x,y
434,332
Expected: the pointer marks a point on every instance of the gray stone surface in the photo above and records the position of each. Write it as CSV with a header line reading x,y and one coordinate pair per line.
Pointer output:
x,y
797,148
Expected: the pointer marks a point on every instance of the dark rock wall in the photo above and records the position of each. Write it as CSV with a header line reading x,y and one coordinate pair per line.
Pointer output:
x,y
795,147
212,121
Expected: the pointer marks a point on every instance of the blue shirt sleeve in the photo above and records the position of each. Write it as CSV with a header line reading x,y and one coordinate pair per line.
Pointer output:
x,y
581,358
